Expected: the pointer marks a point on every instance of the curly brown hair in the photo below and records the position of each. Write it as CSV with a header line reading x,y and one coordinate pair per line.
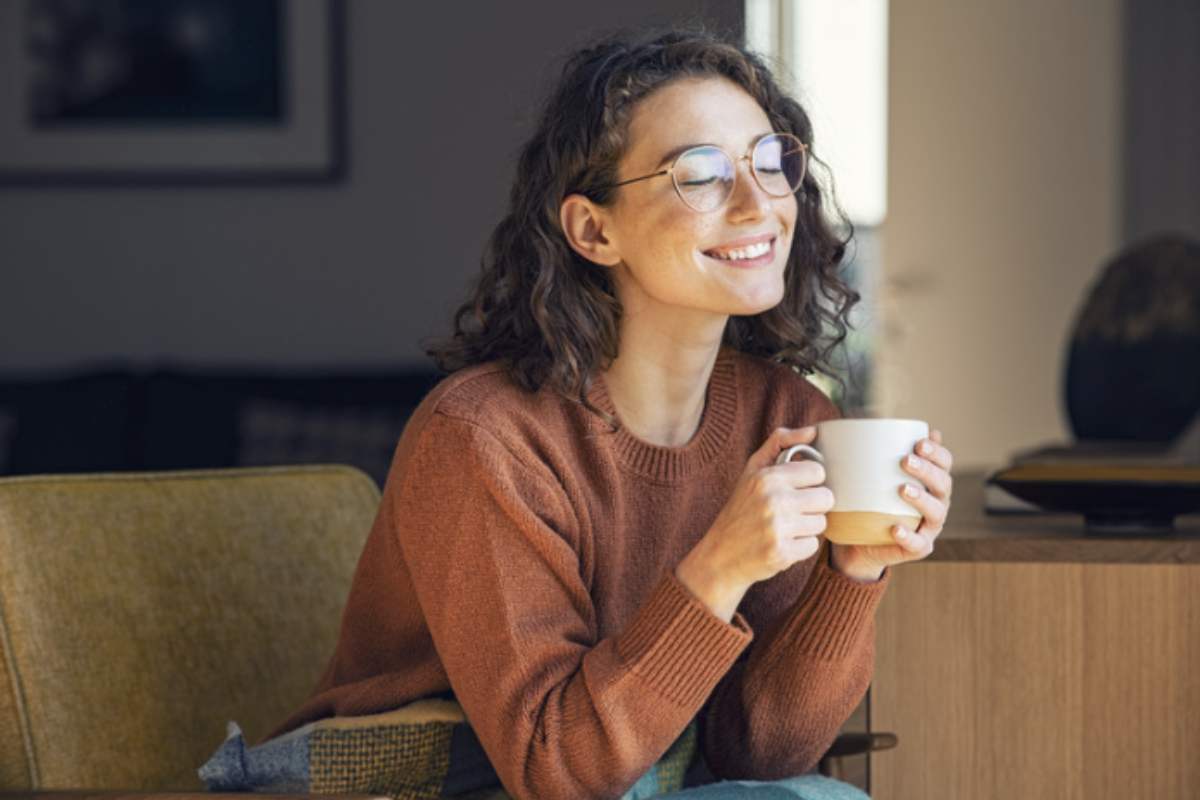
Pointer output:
x,y
546,313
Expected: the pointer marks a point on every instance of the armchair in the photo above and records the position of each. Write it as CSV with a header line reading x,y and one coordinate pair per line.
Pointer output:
x,y
139,612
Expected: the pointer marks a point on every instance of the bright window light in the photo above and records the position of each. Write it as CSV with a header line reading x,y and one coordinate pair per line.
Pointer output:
x,y
833,56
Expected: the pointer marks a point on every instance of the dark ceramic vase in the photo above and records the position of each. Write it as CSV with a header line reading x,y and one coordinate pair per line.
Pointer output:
x,y
1133,365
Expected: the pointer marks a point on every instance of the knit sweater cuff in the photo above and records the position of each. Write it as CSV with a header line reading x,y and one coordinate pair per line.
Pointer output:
x,y
676,644
833,611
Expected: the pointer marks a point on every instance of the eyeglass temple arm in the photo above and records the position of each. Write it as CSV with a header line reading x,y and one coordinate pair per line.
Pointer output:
x,y
634,180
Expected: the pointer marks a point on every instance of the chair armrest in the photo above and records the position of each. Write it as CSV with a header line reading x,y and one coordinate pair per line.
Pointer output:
x,y
853,744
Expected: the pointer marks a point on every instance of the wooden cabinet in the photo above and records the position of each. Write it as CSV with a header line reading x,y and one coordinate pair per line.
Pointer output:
x,y
1026,660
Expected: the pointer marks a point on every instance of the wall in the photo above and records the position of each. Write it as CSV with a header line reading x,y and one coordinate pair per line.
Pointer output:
x,y
1006,191
1004,199
440,97
1162,142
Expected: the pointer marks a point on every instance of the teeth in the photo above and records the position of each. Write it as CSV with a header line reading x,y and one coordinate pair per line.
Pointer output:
x,y
742,253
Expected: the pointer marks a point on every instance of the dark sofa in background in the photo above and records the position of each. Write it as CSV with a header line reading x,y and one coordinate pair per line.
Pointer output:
x,y
119,418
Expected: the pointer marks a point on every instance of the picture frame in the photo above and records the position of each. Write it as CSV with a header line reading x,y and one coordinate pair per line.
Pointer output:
x,y
255,112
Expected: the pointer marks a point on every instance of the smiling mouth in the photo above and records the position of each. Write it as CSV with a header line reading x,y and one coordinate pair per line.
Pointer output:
x,y
750,254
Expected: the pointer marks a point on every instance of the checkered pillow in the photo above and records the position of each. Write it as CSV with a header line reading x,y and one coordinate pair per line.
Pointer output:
x,y
422,751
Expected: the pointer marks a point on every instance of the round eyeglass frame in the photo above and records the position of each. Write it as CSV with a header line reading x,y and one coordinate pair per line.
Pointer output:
x,y
749,156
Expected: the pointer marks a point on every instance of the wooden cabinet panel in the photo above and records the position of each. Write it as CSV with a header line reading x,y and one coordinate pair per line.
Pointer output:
x,y
1038,680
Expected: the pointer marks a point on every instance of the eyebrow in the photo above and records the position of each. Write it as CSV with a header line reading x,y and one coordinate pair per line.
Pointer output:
x,y
674,152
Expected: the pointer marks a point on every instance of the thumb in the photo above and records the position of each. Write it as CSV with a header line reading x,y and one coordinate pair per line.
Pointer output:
x,y
779,440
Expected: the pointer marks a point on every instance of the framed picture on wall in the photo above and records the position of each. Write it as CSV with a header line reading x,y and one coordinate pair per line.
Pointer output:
x,y
171,92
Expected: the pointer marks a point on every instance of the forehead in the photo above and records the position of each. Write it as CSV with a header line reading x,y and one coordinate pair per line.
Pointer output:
x,y
709,110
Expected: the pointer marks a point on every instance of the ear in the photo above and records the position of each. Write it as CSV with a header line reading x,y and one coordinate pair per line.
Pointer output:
x,y
586,226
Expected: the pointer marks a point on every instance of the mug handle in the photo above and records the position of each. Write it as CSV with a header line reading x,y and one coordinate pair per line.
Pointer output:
x,y
809,452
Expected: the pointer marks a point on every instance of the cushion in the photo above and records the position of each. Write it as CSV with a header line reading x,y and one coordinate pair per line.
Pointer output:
x,y
423,750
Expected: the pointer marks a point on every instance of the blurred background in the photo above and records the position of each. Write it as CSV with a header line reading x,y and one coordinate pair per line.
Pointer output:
x,y
226,227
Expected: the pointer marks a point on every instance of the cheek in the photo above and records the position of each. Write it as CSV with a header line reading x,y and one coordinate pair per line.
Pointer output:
x,y
787,210
671,234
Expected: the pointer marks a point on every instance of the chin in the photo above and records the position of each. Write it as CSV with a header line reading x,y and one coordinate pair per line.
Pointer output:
x,y
753,309
764,301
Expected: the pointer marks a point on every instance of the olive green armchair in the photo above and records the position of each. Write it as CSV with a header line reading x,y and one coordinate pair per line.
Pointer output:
x,y
139,612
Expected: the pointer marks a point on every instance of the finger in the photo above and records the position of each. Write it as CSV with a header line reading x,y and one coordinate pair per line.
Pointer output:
x,y
936,435
915,545
933,511
815,500
779,440
800,474
807,525
936,479
937,453
929,533
803,547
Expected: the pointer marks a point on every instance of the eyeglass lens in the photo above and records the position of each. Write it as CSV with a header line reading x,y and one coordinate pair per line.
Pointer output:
x,y
704,176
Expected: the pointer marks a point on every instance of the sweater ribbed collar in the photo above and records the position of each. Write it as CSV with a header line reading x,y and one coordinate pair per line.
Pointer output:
x,y
672,465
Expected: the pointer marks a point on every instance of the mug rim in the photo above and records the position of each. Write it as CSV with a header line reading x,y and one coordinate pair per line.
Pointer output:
x,y
861,420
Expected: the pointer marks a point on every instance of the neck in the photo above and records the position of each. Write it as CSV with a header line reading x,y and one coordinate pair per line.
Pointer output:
x,y
658,384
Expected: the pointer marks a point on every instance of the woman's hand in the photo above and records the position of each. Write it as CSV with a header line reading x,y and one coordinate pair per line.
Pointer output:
x,y
772,519
930,465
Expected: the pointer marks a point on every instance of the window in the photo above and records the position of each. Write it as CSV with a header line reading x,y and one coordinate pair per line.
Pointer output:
x,y
832,57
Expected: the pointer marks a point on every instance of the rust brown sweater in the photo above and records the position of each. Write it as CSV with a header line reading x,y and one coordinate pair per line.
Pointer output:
x,y
523,558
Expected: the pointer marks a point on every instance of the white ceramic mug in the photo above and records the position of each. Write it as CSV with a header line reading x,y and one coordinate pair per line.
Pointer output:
x,y
862,460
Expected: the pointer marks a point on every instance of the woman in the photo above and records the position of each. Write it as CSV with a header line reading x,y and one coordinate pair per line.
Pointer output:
x,y
584,538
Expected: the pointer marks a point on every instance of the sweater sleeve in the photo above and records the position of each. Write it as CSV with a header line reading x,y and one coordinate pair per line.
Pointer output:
x,y
493,546
780,707
777,711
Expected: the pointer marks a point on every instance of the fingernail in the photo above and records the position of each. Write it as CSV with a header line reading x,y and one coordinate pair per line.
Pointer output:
x,y
914,462
926,448
901,533
910,490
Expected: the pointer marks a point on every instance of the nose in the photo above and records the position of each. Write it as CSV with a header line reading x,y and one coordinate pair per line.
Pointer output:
x,y
748,202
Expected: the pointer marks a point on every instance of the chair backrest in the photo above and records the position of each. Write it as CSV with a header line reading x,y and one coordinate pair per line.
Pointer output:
x,y
141,611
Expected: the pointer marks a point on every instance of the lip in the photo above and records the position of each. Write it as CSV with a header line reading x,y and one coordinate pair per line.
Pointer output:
x,y
745,241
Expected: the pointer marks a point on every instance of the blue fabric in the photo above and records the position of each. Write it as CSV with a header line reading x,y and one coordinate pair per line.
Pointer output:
x,y
280,765
803,787
646,787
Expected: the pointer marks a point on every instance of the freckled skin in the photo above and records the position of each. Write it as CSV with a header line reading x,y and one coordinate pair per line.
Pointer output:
x,y
661,240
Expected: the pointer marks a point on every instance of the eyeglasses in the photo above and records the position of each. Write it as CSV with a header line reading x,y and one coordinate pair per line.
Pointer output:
x,y
704,176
